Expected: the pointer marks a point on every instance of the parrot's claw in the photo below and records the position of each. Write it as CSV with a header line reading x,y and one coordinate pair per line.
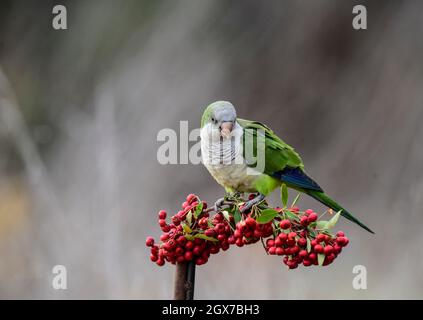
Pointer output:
x,y
247,206
218,204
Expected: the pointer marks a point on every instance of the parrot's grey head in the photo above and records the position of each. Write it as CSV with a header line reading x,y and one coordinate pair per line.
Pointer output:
x,y
220,115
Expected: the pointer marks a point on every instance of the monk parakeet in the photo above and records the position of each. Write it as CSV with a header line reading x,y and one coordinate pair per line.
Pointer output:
x,y
224,139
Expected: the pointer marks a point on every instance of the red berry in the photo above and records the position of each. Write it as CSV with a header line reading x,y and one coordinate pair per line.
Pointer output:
x,y
304,221
279,251
221,237
181,240
302,242
306,263
295,250
224,245
185,205
219,228
166,228
214,249
320,237
283,237
162,223
239,242
219,217
346,241
153,257
318,248
285,224
328,250
198,241
312,217
272,250
295,209
292,235
160,262
188,256
189,245
308,212
290,242
270,243
191,197
292,264
257,233
340,234
197,250
231,240
342,241
250,222
303,254
194,204
241,226
248,234
175,220
210,233
155,250
162,214
278,242
337,248
164,237
181,215
149,242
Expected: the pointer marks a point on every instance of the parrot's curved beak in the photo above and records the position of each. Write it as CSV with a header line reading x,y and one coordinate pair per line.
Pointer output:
x,y
226,129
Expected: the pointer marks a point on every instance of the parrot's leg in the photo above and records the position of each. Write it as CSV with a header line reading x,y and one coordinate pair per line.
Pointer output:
x,y
218,204
247,206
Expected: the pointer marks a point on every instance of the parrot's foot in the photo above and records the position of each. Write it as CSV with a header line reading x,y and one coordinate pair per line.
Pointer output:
x,y
247,206
218,204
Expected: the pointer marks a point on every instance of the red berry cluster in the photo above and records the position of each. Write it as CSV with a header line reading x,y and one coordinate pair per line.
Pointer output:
x,y
300,241
194,235
249,231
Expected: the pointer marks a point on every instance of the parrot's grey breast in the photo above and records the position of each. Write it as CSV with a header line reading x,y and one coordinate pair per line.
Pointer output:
x,y
224,159
233,176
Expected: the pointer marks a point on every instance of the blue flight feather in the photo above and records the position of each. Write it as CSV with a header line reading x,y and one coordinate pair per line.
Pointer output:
x,y
297,178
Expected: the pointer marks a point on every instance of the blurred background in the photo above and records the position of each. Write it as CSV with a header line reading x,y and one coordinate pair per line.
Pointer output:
x,y
80,109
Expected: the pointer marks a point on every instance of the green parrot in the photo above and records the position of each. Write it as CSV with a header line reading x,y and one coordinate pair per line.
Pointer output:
x,y
225,140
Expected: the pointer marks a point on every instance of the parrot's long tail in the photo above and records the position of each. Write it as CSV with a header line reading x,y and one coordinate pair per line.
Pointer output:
x,y
323,198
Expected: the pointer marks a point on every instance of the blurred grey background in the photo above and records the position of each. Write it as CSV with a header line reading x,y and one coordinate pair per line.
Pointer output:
x,y
80,109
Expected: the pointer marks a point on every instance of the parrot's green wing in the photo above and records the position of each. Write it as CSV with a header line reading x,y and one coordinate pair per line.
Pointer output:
x,y
284,164
278,154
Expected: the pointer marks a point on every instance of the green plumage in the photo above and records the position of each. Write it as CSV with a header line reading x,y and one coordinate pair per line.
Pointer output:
x,y
282,164
278,156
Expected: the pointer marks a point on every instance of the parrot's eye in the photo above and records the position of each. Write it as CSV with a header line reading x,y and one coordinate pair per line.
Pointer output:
x,y
214,120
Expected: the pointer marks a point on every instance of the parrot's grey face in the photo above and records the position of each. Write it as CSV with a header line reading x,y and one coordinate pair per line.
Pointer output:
x,y
223,118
